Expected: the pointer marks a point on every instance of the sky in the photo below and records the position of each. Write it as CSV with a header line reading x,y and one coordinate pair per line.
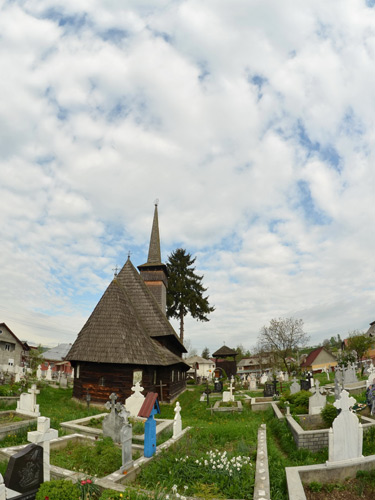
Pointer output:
x,y
252,123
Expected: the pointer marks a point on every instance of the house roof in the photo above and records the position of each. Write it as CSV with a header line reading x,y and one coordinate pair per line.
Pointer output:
x,y
198,359
57,353
313,355
371,331
224,351
3,325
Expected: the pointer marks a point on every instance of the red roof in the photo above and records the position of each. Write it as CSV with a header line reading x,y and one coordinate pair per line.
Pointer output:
x,y
148,405
312,357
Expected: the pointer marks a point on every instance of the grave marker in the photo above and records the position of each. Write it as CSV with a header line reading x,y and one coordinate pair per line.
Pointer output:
x,y
114,421
150,408
24,473
346,433
177,423
317,401
134,402
43,436
294,387
27,403
126,436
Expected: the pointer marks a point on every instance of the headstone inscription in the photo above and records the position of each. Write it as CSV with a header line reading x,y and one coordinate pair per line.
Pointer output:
x,y
27,403
114,421
134,402
126,437
43,436
346,434
24,473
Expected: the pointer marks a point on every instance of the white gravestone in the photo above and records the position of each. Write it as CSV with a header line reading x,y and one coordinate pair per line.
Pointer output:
x,y
263,379
43,435
27,403
252,383
286,377
226,396
177,423
281,376
346,433
295,387
49,373
39,373
134,402
317,401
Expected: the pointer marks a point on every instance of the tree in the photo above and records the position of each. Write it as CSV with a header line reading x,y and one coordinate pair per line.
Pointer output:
x,y
185,290
205,353
360,343
241,352
36,357
282,338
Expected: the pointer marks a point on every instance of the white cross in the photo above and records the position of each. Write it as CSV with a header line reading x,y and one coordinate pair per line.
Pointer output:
x,y
43,436
345,402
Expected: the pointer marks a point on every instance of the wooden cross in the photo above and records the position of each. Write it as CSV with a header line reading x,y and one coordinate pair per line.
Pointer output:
x,y
161,389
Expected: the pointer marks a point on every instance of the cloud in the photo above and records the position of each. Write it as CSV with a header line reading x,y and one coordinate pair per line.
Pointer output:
x,y
251,122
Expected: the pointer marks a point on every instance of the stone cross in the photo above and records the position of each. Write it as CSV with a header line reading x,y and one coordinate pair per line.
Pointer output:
x,y
177,424
346,434
317,384
39,373
126,436
43,435
49,373
112,405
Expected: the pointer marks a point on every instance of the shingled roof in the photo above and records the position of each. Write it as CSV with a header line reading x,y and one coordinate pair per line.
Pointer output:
x,y
224,351
118,330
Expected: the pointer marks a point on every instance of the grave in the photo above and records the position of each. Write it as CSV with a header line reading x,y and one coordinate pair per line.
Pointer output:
x,y
177,424
43,435
126,436
24,474
371,377
294,387
252,383
134,402
317,401
49,373
39,373
263,379
346,434
27,403
150,408
63,381
114,421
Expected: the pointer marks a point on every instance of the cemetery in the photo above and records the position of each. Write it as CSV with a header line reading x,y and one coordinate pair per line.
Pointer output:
x,y
275,447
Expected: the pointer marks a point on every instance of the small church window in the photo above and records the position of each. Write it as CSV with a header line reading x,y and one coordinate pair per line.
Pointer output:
x,y
154,377
101,382
137,376
178,376
172,376
77,372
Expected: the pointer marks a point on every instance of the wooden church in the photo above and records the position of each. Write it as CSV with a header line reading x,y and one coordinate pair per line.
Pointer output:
x,y
128,339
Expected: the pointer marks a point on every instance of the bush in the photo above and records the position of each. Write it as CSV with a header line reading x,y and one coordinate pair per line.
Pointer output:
x,y
329,413
315,486
60,489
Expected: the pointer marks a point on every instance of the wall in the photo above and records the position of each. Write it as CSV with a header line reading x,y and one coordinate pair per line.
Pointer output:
x,y
15,352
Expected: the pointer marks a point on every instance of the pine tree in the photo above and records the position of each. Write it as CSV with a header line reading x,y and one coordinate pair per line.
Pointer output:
x,y
185,290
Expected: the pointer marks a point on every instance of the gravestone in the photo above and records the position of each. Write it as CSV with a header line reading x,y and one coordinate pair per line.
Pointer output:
x,y
294,387
252,383
263,379
226,397
305,385
114,421
39,373
43,435
337,389
150,408
310,379
27,403
317,401
203,397
63,381
346,433
24,473
49,373
286,377
134,402
126,436
269,390
218,386
281,376
177,423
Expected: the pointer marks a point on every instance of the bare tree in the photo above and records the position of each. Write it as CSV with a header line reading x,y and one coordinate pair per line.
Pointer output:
x,y
283,337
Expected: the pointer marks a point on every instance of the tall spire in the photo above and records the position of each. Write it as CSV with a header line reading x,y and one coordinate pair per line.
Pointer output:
x,y
154,272
154,254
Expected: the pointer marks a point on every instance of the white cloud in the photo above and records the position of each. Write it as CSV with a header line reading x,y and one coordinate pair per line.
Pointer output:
x,y
251,122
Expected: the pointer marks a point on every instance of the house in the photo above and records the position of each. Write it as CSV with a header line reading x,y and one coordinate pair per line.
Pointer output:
x,y
319,359
55,358
200,366
13,352
128,339
254,364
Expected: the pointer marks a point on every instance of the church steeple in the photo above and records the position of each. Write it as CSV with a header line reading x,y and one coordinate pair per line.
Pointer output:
x,y
154,272
154,254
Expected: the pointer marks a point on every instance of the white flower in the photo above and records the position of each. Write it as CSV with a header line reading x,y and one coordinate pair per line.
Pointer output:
x,y
174,488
